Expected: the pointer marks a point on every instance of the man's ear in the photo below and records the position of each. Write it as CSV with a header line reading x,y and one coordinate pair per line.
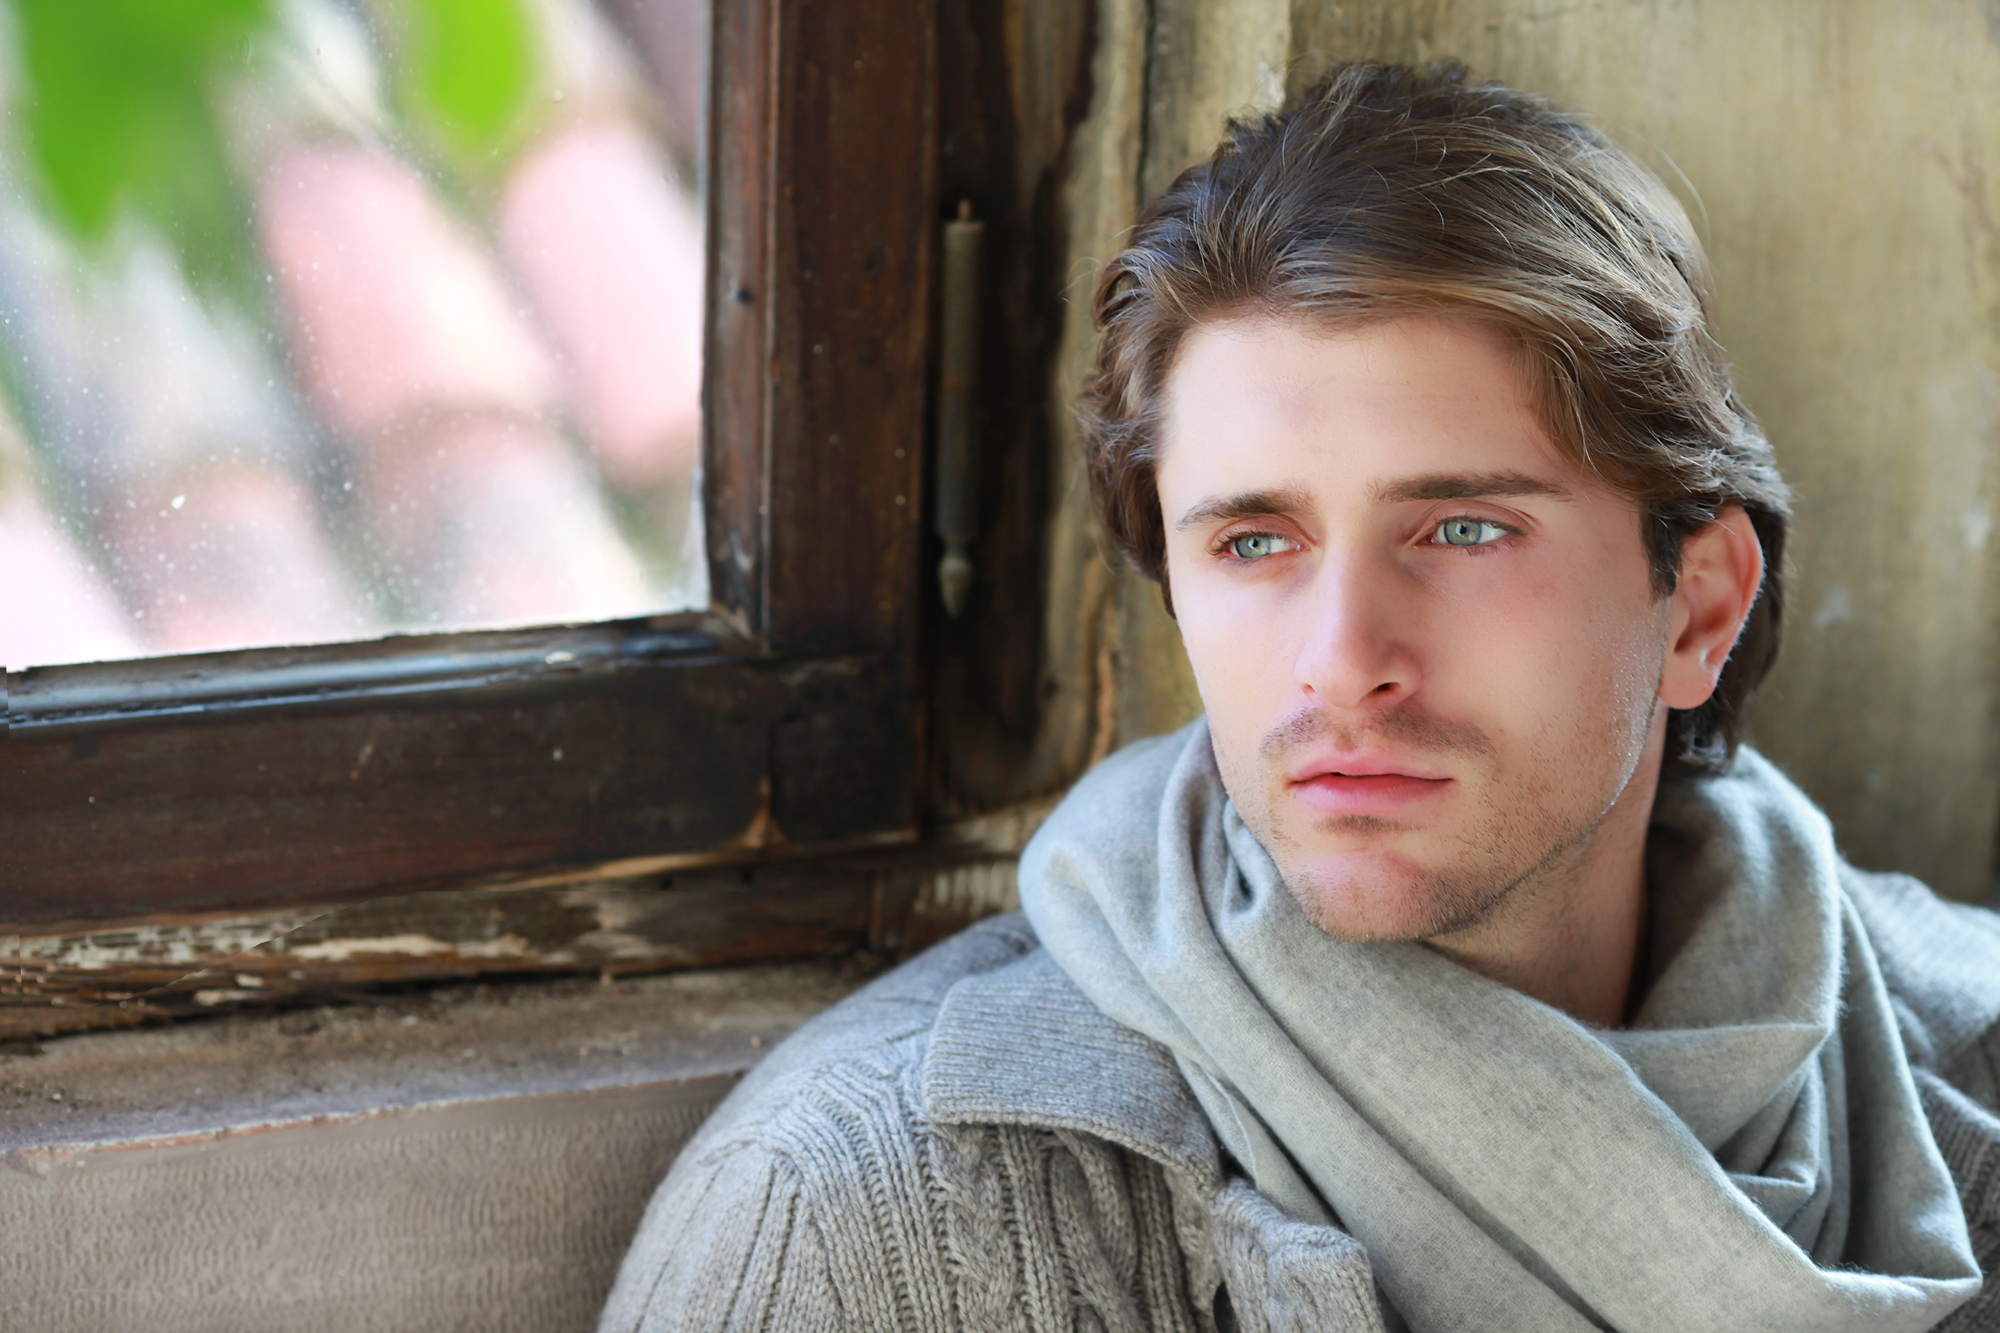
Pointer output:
x,y
1722,566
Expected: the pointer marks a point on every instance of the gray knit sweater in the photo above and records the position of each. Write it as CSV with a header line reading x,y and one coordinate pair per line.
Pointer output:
x,y
969,1144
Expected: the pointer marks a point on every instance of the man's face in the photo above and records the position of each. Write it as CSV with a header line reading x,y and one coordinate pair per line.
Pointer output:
x,y
1429,646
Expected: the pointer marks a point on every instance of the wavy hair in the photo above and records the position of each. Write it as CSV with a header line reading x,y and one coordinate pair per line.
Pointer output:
x,y
1385,190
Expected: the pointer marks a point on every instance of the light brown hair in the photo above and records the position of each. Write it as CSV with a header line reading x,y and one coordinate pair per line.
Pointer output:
x,y
1384,190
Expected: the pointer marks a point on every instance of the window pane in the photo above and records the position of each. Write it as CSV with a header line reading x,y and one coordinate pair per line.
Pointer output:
x,y
391,326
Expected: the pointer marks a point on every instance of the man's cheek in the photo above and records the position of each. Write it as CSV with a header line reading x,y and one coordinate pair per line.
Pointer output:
x,y
1239,668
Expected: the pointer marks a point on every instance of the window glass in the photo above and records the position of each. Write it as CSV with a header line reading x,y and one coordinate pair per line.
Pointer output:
x,y
328,319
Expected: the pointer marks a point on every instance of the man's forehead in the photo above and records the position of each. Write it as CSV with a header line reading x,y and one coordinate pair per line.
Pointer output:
x,y
1271,414
1295,350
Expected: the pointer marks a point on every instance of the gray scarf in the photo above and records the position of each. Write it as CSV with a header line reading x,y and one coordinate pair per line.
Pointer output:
x,y
1750,1153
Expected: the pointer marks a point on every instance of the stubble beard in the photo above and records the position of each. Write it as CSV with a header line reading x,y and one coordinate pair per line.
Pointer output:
x,y
1521,838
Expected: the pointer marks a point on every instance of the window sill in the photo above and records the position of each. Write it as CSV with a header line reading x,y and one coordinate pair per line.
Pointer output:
x,y
469,1157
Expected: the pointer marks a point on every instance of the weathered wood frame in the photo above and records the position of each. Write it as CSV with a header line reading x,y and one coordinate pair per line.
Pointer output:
x,y
788,717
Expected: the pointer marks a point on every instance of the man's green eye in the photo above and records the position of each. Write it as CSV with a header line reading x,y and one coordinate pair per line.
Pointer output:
x,y
1468,532
1252,545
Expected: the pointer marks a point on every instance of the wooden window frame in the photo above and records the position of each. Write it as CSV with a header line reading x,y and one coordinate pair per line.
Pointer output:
x,y
786,718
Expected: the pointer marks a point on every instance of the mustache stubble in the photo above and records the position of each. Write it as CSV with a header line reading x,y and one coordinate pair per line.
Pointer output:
x,y
1407,726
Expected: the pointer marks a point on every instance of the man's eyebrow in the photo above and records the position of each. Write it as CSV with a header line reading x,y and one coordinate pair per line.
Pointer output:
x,y
1469,486
1247,504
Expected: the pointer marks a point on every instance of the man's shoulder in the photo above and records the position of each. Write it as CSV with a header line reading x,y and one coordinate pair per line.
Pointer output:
x,y
878,1159
870,1048
816,1161
982,1029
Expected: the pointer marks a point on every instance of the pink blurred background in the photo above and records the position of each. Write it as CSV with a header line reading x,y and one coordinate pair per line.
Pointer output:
x,y
461,408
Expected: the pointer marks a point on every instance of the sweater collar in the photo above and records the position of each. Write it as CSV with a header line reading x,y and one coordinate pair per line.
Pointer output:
x,y
1021,1045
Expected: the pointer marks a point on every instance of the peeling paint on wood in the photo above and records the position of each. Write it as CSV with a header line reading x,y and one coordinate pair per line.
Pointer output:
x,y
126,974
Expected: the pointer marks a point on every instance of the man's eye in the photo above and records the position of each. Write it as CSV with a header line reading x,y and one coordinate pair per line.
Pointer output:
x,y
1256,545
1467,532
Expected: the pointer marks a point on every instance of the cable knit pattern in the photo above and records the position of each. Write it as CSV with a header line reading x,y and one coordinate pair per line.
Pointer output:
x,y
1290,1277
822,1196
968,1145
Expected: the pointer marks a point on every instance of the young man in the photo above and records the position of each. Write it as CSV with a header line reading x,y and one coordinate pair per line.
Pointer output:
x,y
1459,970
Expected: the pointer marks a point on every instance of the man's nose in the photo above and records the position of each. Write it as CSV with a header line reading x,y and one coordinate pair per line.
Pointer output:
x,y
1357,651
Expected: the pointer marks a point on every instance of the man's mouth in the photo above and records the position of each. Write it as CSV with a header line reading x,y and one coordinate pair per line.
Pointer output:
x,y
1363,788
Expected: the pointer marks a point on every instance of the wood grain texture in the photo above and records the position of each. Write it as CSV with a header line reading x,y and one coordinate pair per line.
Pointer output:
x,y
1098,196
855,217
129,973
79,976
736,384
822,214
1015,83
382,793
807,730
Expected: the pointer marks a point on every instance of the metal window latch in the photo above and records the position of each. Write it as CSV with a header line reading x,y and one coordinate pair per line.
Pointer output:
x,y
958,387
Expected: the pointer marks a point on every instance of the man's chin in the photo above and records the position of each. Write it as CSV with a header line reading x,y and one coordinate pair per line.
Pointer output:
x,y
1374,899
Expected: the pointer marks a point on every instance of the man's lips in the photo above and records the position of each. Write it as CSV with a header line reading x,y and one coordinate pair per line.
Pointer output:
x,y
1364,785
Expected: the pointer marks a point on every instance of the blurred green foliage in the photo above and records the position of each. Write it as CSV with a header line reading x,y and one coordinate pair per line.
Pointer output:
x,y
118,113
121,103
464,69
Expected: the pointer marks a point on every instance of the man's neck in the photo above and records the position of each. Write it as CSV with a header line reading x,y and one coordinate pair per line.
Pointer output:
x,y
1570,934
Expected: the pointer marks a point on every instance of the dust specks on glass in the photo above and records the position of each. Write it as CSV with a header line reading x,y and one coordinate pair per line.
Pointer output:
x,y
402,334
